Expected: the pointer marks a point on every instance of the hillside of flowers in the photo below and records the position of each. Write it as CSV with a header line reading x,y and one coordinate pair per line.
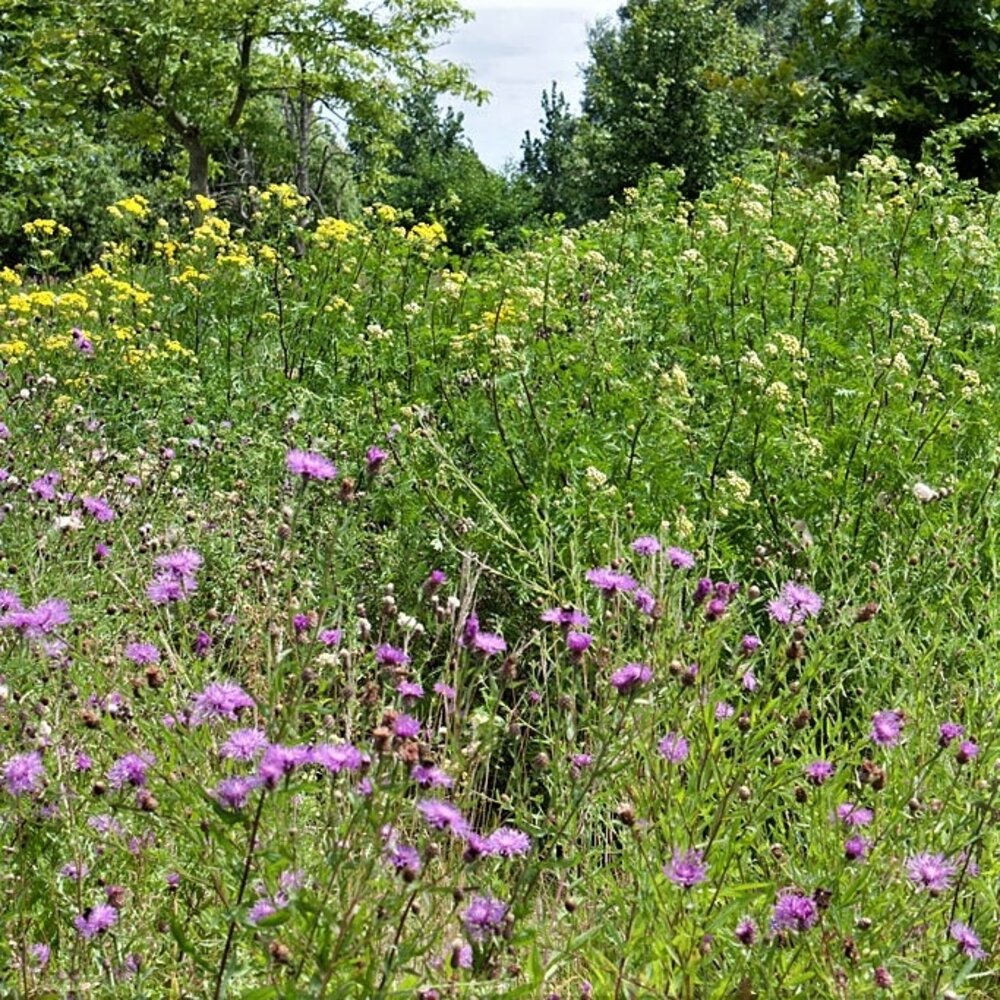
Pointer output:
x,y
612,618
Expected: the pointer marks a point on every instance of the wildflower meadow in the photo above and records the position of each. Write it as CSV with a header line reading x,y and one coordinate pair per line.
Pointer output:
x,y
611,617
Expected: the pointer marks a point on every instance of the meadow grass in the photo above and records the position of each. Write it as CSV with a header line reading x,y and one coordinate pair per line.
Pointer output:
x,y
609,618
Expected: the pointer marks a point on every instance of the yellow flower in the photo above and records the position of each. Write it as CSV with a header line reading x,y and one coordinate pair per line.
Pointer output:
x,y
45,227
135,205
11,350
332,230
9,277
431,234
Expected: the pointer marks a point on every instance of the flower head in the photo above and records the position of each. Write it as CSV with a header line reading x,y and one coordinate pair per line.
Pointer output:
x,y
95,920
483,917
443,815
793,912
686,869
886,728
506,842
965,937
23,774
674,748
630,677
130,770
609,581
948,732
309,465
646,545
219,700
680,558
794,604
930,872
819,771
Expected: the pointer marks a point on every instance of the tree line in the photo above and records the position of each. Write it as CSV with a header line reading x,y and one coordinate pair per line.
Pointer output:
x,y
99,98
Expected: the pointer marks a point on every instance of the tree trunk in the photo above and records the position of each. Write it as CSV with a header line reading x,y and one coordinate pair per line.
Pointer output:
x,y
197,153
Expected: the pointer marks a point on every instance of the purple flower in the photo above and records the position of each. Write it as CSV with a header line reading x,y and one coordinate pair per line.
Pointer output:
x,y
506,842
748,680
630,677
646,545
405,859
948,732
851,815
680,558
337,757
4,432
686,869
168,590
609,581
967,751
405,727
44,488
75,872
280,761
98,508
483,916
41,620
580,760
443,815
723,711
886,727
232,793
746,932
261,910
445,691
23,774
819,772
488,644
40,954
966,939
701,590
219,700
391,656
309,465
330,637
244,745
578,642
9,601
794,604
436,579
410,690
749,644
855,848
930,872
95,920
374,459
428,776
793,912
566,617
645,601
130,770
674,748
301,623
202,643
142,653
180,565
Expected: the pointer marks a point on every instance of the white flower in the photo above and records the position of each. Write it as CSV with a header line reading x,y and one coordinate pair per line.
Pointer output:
x,y
925,493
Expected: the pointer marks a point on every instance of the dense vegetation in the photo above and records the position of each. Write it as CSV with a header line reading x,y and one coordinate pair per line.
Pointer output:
x,y
403,594
272,498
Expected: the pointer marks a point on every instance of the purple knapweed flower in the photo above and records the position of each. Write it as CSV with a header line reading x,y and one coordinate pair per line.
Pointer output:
x,y
405,727
405,859
819,772
746,932
855,848
750,643
39,621
701,590
445,691
851,815
280,761
233,793
301,623
723,711
578,642
443,815
794,604
680,558
310,465
130,770
630,677
95,920
435,580
748,680
9,601
484,916
181,565
686,868
142,653
930,872
488,644
44,488
375,458
793,912
338,757
568,618
202,644
98,508
410,690
219,700
506,842
74,871
428,776
948,732
674,748
610,581
965,937
23,774
391,656
330,637
40,954
646,545
644,601
261,910
886,728
967,750
244,745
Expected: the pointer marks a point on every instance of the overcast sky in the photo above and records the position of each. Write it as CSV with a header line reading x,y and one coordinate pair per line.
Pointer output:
x,y
516,48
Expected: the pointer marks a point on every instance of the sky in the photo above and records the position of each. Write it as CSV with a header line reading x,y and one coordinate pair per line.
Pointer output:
x,y
516,48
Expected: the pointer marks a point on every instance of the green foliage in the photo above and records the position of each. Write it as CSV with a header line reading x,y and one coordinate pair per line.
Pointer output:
x,y
660,88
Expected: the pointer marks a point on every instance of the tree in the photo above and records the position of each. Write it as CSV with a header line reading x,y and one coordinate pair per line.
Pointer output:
x,y
553,164
909,68
188,71
660,88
